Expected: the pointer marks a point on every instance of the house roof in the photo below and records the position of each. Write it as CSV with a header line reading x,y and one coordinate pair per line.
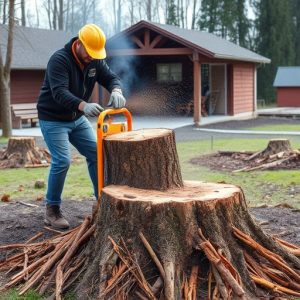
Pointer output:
x,y
203,42
33,47
287,77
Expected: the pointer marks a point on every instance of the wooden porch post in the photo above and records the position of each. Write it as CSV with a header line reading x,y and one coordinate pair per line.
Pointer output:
x,y
197,89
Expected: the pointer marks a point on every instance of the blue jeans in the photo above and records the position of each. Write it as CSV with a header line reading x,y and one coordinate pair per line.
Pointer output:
x,y
57,136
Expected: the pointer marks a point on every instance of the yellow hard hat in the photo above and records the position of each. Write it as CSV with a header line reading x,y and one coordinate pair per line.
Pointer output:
x,y
93,40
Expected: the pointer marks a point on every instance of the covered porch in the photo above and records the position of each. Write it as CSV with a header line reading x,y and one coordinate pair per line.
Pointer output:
x,y
165,71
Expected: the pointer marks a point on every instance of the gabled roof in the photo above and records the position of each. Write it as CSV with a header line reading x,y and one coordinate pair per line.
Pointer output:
x,y
203,42
287,77
33,47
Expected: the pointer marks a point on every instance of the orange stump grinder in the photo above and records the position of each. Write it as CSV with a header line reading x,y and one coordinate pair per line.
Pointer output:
x,y
105,127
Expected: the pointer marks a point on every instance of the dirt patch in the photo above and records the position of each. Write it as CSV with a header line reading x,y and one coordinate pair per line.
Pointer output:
x,y
19,223
227,161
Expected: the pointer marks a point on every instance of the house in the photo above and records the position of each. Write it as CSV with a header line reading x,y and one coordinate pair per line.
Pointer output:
x,y
164,67
32,49
287,84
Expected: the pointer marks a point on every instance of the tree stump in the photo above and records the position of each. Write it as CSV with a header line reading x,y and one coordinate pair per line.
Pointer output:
x,y
22,152
274,146
160,238
144,159
278,154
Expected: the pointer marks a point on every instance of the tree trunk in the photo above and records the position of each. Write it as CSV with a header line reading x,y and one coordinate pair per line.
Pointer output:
x,y
23,15
5,107
5,75
22,152
145,159
60,15
191,227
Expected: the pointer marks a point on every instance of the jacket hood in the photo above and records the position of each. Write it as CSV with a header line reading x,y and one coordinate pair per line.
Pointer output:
x,y
68,46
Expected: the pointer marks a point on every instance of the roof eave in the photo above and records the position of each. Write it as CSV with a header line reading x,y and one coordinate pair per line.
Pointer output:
x,y
286,86
166,33
248,59
29,68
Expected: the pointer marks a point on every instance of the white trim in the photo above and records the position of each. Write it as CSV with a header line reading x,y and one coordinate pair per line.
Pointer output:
x,y
225,88
255,89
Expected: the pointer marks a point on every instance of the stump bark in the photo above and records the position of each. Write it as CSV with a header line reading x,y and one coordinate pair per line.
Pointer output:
x,y
22,152
191,230
144,159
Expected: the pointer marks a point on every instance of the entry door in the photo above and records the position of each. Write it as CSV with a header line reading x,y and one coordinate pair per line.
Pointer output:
x,y
218,87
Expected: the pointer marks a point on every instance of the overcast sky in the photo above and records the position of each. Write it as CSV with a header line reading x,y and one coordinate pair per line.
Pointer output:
x,y
106,19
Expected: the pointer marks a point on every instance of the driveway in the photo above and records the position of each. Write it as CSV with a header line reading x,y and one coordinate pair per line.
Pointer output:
x,y
215,126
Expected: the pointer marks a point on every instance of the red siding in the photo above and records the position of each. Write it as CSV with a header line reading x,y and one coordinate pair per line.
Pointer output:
x,y
25,85
288,96
243,88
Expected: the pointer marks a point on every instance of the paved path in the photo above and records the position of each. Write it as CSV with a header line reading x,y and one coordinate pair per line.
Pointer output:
x,y
218,126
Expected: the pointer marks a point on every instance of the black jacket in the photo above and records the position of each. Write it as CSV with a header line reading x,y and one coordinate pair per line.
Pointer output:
x,y
66,85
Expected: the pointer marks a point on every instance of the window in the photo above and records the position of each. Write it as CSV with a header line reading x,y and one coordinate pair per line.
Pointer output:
x,y
169,72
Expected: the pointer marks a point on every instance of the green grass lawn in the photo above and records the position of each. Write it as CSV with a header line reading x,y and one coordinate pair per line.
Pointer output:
x,y
269,187
3,140
12,294
277,127
19,183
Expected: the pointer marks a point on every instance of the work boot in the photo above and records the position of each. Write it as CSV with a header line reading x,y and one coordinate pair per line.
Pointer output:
x,y
55,218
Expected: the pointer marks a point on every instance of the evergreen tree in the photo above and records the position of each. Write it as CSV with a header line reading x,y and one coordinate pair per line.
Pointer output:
x,y
274,40
296,32
172,18
210,18
243,24
226,18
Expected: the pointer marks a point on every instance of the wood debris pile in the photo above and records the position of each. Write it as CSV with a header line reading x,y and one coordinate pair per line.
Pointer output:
x,y
22,152
277,155
56,263
53,261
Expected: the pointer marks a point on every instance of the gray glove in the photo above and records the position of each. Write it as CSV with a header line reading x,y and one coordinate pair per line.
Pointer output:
x,y
116,99
92,109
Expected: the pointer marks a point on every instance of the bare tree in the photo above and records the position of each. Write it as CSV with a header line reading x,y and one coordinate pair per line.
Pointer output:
x,y
131,9
140,10
4,11
117,11
23,15
54,15
149,10
157,10
196,13
5,75
37,14
47,6
67,15
60,15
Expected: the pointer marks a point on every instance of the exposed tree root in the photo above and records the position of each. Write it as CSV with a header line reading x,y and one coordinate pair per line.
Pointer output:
x,y
57,262
37,264
278,154
22,152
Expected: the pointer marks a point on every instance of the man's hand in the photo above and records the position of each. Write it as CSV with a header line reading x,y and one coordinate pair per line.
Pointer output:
x,y
92,109
116,99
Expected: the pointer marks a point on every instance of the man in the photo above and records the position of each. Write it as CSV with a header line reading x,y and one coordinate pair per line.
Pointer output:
x,y
63,105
